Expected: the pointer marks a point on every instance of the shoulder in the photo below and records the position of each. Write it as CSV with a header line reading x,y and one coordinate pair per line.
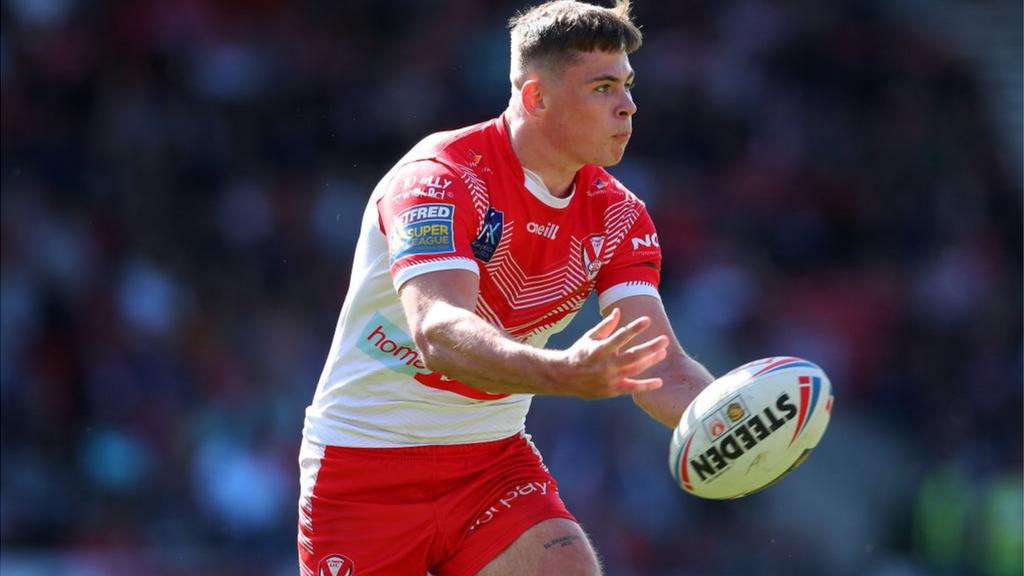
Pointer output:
x,y
454,148
442,168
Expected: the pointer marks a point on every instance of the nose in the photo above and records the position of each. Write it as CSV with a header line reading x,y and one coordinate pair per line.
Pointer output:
x,y
627,107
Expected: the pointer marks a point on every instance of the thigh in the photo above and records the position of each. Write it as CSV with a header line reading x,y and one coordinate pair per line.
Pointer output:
x,y
555,546
494,497
360,513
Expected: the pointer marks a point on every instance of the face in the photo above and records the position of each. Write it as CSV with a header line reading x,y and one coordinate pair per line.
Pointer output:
x,y
589,108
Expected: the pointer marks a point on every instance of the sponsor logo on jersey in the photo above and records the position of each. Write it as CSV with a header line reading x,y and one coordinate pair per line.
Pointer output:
x,y
423,187
395,350
592,246
548,230
423,229
647,241
740,437
391,346
336,565
598,186
490,235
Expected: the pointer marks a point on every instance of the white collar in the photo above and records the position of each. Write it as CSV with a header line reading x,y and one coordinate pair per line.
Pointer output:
x,y
537,187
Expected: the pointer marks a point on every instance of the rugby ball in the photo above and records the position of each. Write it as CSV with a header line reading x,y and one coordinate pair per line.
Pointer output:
x,y
749,428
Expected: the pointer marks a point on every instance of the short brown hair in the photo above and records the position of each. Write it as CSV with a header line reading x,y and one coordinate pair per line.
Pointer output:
x,y
551,34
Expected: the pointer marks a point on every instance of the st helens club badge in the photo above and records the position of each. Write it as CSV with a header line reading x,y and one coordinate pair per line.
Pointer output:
x,y
336,565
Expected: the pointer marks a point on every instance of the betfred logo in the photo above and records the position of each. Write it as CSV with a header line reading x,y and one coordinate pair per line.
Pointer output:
x,y
422,230
424,212
336,565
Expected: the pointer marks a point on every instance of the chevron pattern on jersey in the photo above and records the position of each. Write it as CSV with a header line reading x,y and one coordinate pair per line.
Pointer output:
x,y
477,189
516,303
618,219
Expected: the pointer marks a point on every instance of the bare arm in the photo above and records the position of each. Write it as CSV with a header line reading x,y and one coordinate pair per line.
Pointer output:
x,y
684,377
456,342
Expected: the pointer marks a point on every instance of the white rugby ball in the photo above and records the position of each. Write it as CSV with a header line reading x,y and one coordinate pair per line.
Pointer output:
x,y
749,428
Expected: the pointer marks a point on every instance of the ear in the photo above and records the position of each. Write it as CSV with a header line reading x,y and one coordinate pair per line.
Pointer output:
x,y
532,95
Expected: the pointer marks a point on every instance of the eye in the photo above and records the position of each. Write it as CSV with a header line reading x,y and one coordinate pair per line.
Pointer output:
x,y
603,88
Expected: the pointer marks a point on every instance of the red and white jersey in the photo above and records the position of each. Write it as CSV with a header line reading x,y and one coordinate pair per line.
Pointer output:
x,y
461,200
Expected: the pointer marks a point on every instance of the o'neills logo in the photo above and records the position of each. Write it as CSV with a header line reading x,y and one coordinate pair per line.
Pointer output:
x,y
549,230
743,437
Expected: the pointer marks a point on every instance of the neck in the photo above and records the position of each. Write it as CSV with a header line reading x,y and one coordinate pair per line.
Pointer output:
x,y
537,154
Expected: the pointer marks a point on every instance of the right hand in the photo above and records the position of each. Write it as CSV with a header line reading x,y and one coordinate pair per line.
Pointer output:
x,y
599,365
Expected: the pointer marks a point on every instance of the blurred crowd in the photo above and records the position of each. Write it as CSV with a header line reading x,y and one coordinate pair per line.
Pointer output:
x,y
182,183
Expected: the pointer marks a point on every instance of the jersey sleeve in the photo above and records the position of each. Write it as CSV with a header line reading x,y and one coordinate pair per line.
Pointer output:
x,y
429,220
635,267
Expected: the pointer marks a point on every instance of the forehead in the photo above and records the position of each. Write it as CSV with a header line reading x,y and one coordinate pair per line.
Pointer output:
x,y
597,64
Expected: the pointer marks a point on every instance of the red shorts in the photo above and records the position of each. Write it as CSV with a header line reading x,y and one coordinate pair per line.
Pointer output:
x,y
448,510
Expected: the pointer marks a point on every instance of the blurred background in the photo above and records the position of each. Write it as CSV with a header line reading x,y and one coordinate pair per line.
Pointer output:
x,y
182,182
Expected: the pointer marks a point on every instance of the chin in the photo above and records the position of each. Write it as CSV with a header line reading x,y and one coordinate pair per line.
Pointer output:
x,y
610,160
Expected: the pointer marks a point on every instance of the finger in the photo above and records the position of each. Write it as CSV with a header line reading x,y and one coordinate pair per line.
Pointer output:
x,y
605,327
628,332
640,350
642,363
632,386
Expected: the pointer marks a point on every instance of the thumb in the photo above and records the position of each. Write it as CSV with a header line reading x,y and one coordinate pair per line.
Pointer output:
x,y
605,327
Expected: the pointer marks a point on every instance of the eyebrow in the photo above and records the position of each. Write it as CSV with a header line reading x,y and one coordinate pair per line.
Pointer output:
x,y
610,78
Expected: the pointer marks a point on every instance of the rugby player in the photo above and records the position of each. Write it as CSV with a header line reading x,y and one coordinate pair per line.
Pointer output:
x,y
477,246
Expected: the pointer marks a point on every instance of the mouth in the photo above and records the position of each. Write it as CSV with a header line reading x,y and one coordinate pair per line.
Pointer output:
x,y
622,136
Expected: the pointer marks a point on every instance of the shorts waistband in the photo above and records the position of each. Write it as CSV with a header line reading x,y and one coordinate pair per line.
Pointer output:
x,y
433,450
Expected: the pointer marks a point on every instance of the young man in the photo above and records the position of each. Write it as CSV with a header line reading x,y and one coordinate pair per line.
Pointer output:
x,y
475,248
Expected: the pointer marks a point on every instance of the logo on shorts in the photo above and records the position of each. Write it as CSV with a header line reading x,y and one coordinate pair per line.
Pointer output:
x,y
336,565
506,501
